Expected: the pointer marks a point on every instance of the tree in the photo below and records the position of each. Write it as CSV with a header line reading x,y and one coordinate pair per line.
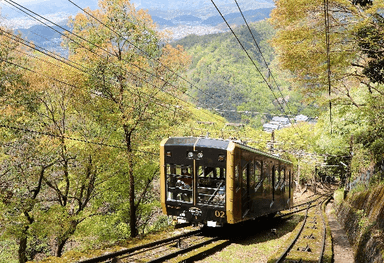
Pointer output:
x,y
17,198
370,39
305,41
347,36
130,79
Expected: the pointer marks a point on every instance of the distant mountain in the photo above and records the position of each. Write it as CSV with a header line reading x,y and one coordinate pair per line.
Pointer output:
x,y
162,22
166,9
199,4
236,18
45,7
38,33
187,18
232,18
181,17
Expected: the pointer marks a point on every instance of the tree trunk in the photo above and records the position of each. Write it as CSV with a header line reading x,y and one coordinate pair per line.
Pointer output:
x,y
23,248
132,205
131,178
62,240
60,245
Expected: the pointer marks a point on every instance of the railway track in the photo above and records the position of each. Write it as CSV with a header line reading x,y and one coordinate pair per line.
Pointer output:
x,y
309,243
165,249
195,245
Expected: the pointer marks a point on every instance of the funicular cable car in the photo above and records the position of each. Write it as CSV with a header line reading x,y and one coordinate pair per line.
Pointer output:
x,y
214,182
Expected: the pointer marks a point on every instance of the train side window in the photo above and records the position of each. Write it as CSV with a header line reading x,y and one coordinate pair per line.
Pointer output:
x,y
277,176
252,180
274,177
266,173
245,173
237,178
257,169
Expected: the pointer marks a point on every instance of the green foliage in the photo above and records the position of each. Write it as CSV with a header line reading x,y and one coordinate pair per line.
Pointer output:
x,y
227,80
370,40
355,74
7,248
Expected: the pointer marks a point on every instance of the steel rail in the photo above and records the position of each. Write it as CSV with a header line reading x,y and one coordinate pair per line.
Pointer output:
x,y
324,228
282,257
289,248
133,249
184,251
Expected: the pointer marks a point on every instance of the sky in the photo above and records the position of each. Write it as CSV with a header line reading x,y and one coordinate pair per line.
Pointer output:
x,y
27,1
34,1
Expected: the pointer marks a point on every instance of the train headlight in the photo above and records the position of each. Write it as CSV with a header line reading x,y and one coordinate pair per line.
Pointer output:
x,y
190,155
200,155
221,158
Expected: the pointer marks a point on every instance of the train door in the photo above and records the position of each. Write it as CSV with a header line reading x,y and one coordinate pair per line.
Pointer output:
x,y
290,184
236,189
290,188
245,200
273,183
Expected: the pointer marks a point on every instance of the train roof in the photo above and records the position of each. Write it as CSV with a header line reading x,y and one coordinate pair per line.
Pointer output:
x,y
216,144
198,141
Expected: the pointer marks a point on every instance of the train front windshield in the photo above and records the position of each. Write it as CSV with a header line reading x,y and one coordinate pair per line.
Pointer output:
x,y
179,180
211,186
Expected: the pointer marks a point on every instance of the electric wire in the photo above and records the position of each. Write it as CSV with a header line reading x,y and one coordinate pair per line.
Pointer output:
x,y
69,63
128,72
246,52
69,31
266,64
20,7
22,129
264,79
42,50
144,52
51,134
73,86
28,44
235,36
327,43
242,46
262,55
166,82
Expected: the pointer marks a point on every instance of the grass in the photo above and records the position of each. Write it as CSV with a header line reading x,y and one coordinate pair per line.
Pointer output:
x,y
259,245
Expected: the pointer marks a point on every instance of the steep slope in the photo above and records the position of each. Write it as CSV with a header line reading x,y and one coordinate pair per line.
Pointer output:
x,y
362,215
228,80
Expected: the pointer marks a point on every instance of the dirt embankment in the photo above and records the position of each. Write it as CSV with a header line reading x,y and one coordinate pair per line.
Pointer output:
x,y
362,216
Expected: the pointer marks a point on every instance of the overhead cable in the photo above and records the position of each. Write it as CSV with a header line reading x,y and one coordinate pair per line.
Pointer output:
x,y
23,129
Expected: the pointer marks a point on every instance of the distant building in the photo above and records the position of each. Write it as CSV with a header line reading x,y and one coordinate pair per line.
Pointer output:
x,y
280,120
301,118
269,127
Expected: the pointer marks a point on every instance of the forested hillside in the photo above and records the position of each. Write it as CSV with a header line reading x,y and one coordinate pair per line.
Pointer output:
x,y
80,135
226,79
